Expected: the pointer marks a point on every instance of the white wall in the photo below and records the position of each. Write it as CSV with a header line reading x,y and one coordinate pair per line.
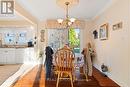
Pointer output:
x,y
129,43
114,52
82,38
84,35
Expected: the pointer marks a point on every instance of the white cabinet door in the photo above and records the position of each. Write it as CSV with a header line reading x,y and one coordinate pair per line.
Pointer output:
x,y
2,57
19,55
10,56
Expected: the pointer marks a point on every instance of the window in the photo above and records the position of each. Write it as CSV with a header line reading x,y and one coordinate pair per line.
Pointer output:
x,y
9,38
74,39
21,38
57,38
15,38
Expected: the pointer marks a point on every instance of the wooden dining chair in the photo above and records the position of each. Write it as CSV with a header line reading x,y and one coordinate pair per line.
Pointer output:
x,y
64,64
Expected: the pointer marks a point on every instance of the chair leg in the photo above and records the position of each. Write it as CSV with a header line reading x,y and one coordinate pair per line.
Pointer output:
x,y
71,78
61,75
58,80
74,78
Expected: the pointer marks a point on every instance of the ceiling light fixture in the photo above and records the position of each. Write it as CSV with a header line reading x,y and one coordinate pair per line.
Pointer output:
x,y
68,21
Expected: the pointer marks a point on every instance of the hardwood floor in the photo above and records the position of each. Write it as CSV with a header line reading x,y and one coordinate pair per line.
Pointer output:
x,y
36,78
103,81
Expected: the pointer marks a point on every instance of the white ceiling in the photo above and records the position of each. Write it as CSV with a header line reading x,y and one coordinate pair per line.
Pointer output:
x,y
48,9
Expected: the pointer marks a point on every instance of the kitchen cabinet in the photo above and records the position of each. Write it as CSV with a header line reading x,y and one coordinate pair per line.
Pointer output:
x,y
7,56
16,55
19,55
2,57
10,56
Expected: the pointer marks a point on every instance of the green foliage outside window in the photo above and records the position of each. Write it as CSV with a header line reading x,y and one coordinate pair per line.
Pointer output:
x,y
74,40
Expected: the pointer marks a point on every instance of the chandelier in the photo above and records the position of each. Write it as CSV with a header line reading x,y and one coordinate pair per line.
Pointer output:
x,y
68,22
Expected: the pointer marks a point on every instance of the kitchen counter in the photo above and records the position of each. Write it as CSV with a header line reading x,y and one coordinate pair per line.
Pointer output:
x,y
17,46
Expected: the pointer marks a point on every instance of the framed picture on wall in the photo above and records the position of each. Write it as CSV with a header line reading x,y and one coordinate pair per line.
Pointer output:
x,y
103,32
42,35
95,34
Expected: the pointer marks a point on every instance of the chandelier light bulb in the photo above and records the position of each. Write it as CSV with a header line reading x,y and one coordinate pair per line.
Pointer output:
x,y
72,20
60,21
69,23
